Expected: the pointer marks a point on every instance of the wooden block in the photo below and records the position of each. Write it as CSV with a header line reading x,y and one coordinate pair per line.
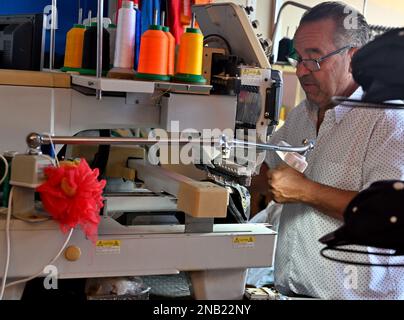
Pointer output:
x,y
119,171
168,154
189,171
34,78
203,199
117,161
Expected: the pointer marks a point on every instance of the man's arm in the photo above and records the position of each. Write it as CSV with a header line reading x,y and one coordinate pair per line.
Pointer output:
x,y
290,186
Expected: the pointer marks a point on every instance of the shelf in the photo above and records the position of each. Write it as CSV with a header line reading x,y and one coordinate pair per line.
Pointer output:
x,y
34,78
135,86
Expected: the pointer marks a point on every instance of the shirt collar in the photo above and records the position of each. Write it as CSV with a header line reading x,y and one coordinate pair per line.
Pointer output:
x,y
337,112
341,111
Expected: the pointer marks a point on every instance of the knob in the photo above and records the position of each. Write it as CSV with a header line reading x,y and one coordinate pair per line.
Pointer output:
x,y
264,43
255,24
34,140
73,253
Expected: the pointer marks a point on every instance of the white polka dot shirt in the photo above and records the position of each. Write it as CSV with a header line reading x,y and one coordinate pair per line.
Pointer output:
x,y
354,148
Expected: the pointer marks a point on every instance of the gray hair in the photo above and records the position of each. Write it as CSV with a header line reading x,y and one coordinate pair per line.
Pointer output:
x,y
352,28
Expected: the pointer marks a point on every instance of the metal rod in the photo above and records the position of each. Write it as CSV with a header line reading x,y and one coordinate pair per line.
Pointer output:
x,y
35,140
193,20
365,7
163,18
156,17
270,147
80,20
100,29
89,18
287,3
43,43
53,35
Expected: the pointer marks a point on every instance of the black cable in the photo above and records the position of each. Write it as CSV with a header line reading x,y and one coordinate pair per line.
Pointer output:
x,y
235,212
206,41
381,29
363,264
363,252
351,103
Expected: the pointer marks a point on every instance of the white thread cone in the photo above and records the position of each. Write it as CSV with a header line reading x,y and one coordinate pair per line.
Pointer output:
x,y
125,36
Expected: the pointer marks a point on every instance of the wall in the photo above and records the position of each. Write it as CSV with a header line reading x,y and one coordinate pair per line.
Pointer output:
x,y
263,13
379,12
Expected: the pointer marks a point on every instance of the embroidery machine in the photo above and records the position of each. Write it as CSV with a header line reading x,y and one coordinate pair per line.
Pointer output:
x,y
216,256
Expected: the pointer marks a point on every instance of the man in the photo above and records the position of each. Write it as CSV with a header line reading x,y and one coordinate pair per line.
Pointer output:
x,y
354,148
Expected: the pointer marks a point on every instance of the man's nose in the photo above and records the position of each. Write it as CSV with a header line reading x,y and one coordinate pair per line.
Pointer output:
x,y
301,70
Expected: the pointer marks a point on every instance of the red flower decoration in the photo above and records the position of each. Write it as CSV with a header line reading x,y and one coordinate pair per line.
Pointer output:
x,y
73,196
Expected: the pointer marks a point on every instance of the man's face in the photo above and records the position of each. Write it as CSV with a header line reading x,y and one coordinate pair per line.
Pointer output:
x,y
312,41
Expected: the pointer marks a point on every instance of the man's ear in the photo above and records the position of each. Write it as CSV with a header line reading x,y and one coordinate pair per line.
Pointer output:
x,y
351,53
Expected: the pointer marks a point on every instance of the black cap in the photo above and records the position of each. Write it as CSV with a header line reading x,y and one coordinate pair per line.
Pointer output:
x,y
379,67
374,218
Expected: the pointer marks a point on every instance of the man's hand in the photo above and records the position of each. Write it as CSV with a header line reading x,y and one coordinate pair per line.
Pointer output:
x,y
290,186
286,184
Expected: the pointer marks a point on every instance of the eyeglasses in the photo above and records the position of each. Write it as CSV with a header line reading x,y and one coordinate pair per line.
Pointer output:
x,y
314,64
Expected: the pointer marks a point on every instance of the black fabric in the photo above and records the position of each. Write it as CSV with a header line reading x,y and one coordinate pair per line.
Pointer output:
x,y
374,218
379,67
285,49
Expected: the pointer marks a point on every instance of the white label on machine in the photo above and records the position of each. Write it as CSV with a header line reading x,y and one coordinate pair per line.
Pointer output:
x,y
108,247
254,76
244,242
40,169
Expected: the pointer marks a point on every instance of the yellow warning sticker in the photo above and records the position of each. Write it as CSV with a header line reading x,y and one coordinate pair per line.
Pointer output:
x,y
244,241
250,72
108,243
108,247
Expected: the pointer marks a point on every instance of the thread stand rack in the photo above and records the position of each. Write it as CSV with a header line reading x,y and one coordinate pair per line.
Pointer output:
x,y
136,86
